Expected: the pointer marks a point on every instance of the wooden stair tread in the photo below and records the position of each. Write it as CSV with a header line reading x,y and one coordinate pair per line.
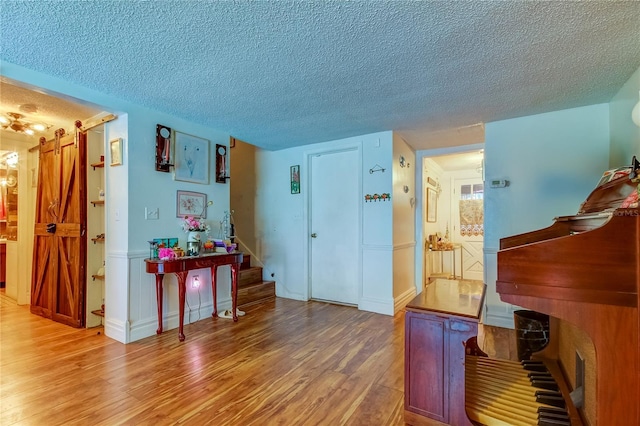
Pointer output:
x,y
256,293
249,276
252,289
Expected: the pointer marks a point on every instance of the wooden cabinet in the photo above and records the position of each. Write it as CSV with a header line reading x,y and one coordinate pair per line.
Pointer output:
x,y
437,323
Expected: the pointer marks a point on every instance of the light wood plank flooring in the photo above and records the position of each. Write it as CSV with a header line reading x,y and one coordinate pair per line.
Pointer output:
x,y
286,362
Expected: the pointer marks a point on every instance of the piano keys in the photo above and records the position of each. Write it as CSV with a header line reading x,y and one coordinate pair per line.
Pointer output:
x,y
504,392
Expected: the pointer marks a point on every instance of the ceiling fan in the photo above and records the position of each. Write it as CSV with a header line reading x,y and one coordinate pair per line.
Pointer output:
x,y
16,122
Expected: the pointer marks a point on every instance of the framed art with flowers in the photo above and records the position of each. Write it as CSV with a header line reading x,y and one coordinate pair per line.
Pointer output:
x,y
191,204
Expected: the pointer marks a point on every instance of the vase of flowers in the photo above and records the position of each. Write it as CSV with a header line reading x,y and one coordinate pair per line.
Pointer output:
x,y
194,226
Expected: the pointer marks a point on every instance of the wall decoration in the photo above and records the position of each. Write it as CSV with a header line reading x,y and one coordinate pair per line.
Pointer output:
x,y
191,158
221,164
376,168
191,204
377,197
164,136
295,179
432,206
115,148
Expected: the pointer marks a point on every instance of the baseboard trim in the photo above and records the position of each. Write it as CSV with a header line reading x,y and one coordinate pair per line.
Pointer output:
x,y
378,306
498,319
147,327
402,300
115,330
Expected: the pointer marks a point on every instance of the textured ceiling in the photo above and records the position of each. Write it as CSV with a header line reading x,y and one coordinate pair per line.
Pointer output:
x,y
285,73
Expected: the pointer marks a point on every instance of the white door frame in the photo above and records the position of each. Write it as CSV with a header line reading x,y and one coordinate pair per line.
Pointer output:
x,y
306,187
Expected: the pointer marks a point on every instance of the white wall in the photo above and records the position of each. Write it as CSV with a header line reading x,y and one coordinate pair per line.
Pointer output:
x,y
282,219
403,221
625,135
130,300
552,161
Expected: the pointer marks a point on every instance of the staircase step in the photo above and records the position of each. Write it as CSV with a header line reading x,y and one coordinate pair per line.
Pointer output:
x,y
256,293
249,276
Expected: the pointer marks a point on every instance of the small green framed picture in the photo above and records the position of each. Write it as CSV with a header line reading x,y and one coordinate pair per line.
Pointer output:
x,y
295,179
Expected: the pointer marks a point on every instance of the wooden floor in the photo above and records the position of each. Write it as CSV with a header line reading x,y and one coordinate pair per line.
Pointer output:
x,y
286,362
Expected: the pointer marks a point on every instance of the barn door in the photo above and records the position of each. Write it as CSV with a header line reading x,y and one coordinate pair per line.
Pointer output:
x,y
59,253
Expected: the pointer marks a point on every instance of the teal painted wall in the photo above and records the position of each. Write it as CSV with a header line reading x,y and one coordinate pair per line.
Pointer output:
x,y
552,161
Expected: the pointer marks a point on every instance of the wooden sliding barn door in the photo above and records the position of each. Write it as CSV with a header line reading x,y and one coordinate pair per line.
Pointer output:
x,y
59,252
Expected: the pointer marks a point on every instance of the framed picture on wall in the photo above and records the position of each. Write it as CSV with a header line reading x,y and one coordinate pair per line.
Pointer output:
x,y
190,203
295,179
115,149
191,158
432,205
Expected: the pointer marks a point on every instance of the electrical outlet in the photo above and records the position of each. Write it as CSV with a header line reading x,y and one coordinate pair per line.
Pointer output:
x,y
195,281
151,213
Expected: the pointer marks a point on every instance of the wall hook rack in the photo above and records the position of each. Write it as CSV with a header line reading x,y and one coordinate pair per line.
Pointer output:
x,y
376,168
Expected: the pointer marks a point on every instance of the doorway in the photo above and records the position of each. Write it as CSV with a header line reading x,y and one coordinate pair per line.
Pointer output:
x,y
334,213
457,179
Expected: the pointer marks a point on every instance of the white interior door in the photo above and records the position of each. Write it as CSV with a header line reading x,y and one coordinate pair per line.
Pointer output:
x,y
334,226
468,225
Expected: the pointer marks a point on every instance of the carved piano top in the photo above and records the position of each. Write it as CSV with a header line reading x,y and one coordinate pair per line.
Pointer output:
x,y
585,270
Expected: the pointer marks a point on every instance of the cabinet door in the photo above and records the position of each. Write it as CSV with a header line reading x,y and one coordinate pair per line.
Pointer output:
x,y
427,365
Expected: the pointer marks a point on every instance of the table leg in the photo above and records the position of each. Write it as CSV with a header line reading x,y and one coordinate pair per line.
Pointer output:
x,y
159,278
453,255
235,267
182,290
214,290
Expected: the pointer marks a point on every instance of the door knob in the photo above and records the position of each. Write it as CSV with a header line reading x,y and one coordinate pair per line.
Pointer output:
x,y
314,235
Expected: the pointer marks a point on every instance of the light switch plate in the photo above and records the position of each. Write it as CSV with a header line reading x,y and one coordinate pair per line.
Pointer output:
x,y
151,213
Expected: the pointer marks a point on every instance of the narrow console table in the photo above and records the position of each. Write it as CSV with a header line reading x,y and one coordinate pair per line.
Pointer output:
x,y
441,253
181,267
437,323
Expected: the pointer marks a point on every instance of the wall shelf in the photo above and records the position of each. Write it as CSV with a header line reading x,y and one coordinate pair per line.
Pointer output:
x,y
97,203
98,312
97,277
97,165
98,240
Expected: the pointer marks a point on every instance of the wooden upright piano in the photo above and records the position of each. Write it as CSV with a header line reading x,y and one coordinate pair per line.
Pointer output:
x,y
584,272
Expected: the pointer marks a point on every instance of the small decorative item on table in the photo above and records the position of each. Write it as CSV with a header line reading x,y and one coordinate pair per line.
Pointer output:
x,y
219,246
166,253
153,249
193,243
193,227
208,245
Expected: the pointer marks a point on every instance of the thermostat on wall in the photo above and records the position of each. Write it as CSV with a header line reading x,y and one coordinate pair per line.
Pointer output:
x,y
499,183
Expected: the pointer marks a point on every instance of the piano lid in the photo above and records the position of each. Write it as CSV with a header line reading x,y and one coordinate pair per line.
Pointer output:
x,y
618,188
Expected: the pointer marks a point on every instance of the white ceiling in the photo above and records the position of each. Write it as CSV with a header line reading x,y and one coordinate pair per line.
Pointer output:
x,y
284,73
